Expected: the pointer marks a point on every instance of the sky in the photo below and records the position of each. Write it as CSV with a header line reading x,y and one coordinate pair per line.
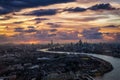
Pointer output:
x,y
63,21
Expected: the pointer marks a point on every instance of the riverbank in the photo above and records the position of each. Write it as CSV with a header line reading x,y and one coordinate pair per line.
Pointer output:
x,y
29,64
90,65
112,75
25,63
110,49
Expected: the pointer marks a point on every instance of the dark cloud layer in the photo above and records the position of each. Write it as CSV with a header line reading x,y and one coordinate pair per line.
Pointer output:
x,y
102,7
76,9
29,30
44,35
111,26
96,7
92,33
68,36
54,25
19,29
53,30
16,5
39,20
19,22
42,12
8,6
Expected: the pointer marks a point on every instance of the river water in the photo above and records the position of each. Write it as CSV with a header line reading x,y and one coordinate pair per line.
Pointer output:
x,y
113,75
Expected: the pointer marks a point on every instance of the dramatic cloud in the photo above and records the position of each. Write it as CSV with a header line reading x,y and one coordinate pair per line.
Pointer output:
x,y
51,35
4,10
29,30
53,30
38,20
45,20
19,22
76,9
8,6
19,29
42,35
94,7
111,26
92,33
68,36
45,35
102,7
42,12
31,27
53,25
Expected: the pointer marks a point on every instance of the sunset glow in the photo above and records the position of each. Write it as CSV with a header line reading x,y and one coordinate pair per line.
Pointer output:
x,y
24,22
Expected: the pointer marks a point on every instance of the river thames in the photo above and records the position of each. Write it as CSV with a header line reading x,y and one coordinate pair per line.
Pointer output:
x,y
112,75
115,73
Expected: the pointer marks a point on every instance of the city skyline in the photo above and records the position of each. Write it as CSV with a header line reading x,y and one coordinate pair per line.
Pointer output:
x,y
36,21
